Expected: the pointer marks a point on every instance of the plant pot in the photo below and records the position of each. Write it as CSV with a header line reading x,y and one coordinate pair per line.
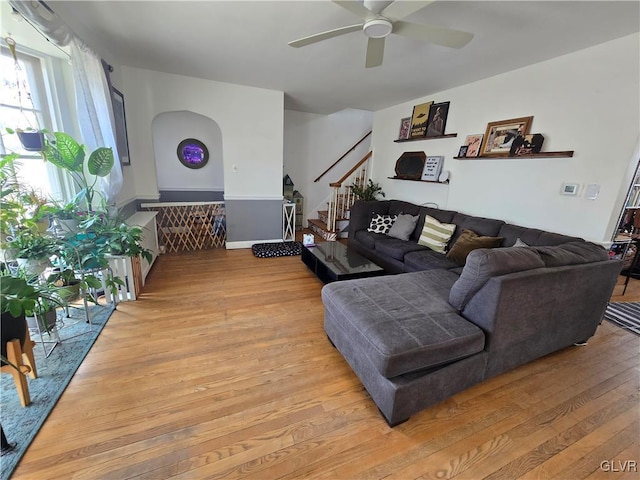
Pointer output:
x,y
68,225
32,141
10,328
69,293
33,266
42,225
46,320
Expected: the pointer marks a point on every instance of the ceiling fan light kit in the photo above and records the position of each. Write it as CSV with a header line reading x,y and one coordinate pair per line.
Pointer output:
x,y
380,21
377,28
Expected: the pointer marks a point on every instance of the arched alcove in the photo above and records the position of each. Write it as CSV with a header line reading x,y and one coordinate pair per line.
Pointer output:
x,y
176,180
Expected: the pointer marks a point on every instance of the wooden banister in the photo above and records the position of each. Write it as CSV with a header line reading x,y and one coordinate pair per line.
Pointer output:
x,y
345,154
353,169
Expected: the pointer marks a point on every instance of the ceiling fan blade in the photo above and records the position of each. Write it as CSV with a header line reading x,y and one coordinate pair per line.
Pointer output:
x,y
356,8
398,10
432,34
301,42
375,52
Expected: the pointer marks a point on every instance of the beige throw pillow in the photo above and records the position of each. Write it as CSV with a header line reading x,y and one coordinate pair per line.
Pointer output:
x,y
436,235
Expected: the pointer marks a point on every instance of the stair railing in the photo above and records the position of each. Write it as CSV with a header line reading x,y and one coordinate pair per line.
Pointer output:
x,y
342,198
344,155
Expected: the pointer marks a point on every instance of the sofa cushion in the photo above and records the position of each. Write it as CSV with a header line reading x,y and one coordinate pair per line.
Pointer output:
x,y
469,241
572,253
482,264
366,238
531,236
486,227
403,227
395,248
427,259
405,321
381,223
435,234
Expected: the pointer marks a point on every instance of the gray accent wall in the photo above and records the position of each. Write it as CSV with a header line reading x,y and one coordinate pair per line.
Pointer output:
x,y
249,220
191,196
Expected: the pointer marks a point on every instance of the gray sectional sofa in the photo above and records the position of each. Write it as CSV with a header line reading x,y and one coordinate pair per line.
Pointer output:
x,y
439,326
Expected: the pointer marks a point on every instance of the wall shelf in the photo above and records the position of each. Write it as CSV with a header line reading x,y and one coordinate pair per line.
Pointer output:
x,y
563,154
418,180
447,135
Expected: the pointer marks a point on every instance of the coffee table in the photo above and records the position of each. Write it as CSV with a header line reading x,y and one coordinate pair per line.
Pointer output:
x,y
334,261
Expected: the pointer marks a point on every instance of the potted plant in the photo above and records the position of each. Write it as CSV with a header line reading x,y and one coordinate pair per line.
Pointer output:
x,y
32,250
17,297
66,284
31,139
38,208
370,191
67,154
43,317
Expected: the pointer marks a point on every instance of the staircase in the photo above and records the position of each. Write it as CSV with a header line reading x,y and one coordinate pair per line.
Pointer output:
x,y
340,200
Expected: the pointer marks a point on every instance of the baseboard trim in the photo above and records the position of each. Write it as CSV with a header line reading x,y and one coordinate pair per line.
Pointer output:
x,y
249,243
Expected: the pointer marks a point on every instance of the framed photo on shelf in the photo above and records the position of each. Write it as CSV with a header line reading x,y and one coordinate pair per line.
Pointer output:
x,y
472,142
405,127
437,119
500,135
121,127
463,151
419,120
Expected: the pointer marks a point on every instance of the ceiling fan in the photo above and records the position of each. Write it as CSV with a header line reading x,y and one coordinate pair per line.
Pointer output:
x,y
382,18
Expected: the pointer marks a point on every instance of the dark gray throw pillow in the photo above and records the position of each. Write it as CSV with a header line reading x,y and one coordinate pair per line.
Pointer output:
x,y
403,227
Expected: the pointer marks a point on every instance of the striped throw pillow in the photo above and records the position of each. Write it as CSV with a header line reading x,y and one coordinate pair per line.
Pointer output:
x,y
436,235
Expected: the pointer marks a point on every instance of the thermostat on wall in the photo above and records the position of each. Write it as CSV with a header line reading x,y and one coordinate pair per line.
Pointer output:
x,y
569,188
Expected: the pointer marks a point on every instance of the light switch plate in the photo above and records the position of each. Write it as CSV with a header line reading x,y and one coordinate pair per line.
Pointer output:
x,y
592,191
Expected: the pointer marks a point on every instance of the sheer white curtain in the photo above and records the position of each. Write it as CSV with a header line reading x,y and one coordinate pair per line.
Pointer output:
x,y
93,101
93,98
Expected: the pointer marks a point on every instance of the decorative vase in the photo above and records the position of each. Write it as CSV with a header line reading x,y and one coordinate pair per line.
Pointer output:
x,y
32,141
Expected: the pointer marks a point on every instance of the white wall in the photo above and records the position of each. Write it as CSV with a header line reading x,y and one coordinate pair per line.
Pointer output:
x,y
586,101
171,128
251,121
313,142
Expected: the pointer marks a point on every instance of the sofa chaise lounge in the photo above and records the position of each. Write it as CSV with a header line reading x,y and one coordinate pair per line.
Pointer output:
x,y
443,324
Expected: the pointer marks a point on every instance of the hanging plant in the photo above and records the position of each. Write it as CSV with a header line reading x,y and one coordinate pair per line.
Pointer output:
x,y
31,140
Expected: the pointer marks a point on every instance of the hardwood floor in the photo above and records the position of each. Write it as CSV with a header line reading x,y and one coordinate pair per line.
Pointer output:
x,y
222,370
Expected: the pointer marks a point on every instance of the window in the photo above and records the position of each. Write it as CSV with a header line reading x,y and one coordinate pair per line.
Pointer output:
x,y
24,104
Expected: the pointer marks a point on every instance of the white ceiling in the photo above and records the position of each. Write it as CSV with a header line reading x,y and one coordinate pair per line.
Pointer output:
x,y
245,42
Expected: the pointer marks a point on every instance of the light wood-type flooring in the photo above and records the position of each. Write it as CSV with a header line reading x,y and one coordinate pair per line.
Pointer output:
x,y
222,370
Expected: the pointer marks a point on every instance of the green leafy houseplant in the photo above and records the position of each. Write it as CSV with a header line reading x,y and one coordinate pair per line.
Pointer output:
x,y
67,154
31,245
370,191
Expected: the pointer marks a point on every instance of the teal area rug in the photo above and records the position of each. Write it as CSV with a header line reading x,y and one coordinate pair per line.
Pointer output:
x,y
21,424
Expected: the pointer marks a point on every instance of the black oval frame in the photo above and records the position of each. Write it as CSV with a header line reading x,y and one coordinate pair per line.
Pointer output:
x,y
187,164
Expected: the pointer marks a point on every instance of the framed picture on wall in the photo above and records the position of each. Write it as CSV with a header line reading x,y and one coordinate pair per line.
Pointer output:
x,y
419,120
500,135
121,127
405,126
437,119
472,142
